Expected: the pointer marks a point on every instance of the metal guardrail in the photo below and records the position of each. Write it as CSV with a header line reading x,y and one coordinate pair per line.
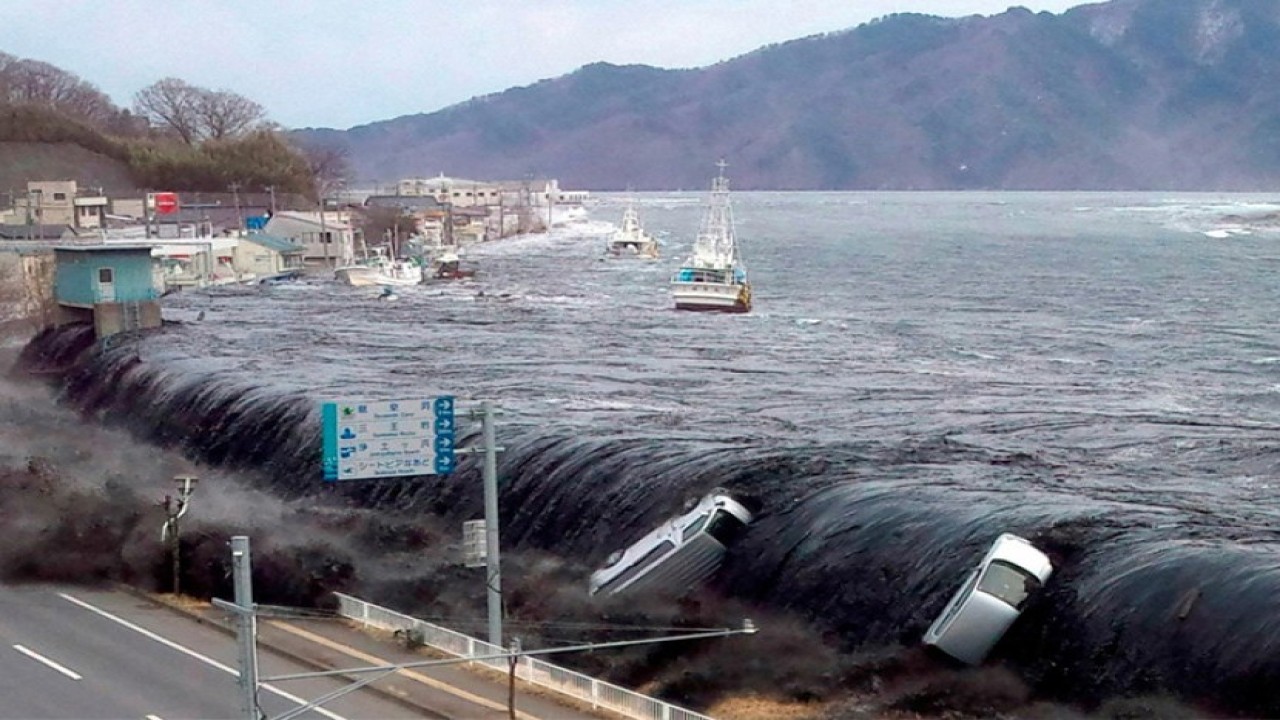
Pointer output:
x,y
598,693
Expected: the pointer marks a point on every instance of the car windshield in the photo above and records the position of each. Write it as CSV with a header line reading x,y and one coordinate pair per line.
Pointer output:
x,y
1009,583
692,528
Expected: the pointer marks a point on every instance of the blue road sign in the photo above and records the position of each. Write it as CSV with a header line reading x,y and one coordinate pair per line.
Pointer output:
x,y
388,438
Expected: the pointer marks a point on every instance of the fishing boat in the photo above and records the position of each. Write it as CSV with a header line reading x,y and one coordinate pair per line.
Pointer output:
x,y
714,278
631,239
379,270
447,265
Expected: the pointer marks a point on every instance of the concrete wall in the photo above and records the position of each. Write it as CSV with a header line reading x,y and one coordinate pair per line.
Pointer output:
x,y
26,291
112,318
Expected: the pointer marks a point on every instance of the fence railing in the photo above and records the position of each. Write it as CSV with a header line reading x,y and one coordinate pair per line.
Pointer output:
x,y
597,693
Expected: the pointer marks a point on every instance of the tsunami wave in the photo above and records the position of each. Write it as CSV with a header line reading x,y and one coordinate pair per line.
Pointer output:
x,y
866,539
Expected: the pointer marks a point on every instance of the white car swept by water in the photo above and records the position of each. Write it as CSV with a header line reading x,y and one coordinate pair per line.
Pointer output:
x,y
677,555
991,598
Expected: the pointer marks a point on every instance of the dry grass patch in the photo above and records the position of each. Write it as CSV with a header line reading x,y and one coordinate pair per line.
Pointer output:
x,y
753,707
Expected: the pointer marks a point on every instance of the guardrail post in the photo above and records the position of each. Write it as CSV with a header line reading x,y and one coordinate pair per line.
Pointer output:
x,y
595,693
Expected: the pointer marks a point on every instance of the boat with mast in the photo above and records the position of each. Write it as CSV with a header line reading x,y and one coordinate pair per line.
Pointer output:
x,y
714,277
631,239
379,269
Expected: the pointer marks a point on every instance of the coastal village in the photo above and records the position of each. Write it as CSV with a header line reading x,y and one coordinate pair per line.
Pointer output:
x,y
163,242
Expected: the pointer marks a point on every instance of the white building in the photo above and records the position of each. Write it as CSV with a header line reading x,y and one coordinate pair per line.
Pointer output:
x,y
328,237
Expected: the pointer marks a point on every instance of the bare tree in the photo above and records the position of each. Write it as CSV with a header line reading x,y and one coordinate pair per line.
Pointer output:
x,y
31,82
196,114
223,114
329,163
171,104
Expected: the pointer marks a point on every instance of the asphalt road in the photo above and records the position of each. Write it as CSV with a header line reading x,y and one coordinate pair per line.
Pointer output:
x,y
72,653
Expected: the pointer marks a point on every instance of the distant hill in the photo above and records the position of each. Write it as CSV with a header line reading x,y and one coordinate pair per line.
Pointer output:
x,y
1129,94
21,161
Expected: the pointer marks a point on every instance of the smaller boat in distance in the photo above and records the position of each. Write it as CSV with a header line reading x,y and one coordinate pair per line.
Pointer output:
x,y
714,277
448,266
679,554
631,240
380,270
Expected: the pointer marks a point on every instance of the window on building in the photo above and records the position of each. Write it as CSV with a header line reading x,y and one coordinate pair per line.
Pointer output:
x,y
59,196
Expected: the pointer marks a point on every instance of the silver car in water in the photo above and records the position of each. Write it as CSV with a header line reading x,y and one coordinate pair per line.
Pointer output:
x,y
677,555
991,598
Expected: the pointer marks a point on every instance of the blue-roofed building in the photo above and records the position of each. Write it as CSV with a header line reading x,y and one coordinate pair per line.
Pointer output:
x,y
112,286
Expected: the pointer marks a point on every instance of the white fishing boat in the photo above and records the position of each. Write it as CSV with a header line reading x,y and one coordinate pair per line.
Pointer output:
x,y
631,240
379,270
714,278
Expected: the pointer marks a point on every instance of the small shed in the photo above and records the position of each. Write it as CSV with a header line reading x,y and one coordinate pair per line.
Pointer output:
x,y
112,286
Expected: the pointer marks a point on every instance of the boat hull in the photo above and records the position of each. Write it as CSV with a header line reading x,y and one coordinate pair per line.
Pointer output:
x,y
712,297
359,276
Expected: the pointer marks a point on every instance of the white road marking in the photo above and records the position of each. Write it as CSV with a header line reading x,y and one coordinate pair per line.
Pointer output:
x,y
188,651
42,659
152,717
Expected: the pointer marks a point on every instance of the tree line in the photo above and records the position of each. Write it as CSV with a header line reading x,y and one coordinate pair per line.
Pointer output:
x,y
176,136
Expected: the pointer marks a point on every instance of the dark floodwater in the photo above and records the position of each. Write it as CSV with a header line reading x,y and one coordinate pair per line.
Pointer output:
x,y
1097,372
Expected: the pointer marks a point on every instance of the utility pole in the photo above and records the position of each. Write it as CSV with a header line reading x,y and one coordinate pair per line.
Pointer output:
x,y
502,213
493,565
175,508
513,661
246,627
324,233
272,190
27,204
549,206
235,193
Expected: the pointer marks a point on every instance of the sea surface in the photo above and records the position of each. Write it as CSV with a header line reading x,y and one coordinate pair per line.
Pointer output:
x,y
1098,372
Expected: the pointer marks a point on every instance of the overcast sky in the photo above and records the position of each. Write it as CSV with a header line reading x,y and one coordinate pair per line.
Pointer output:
x,y
338,63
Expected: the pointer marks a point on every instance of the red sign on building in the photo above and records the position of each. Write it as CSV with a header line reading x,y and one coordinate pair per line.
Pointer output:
x,y
165,203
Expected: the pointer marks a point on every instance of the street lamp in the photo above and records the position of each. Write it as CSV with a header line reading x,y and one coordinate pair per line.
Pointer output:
x,y
175,508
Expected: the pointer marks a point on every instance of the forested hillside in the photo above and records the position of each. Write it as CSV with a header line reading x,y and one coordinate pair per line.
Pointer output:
x,y
1128,94
176,137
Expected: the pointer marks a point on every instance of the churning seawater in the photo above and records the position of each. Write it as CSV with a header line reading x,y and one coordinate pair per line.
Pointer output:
x,y
1097,372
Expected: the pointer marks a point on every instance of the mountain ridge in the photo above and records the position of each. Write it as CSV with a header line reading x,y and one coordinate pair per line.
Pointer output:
x,y
1123,95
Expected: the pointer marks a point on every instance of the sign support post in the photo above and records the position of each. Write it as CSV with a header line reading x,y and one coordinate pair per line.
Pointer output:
x,y
493,565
